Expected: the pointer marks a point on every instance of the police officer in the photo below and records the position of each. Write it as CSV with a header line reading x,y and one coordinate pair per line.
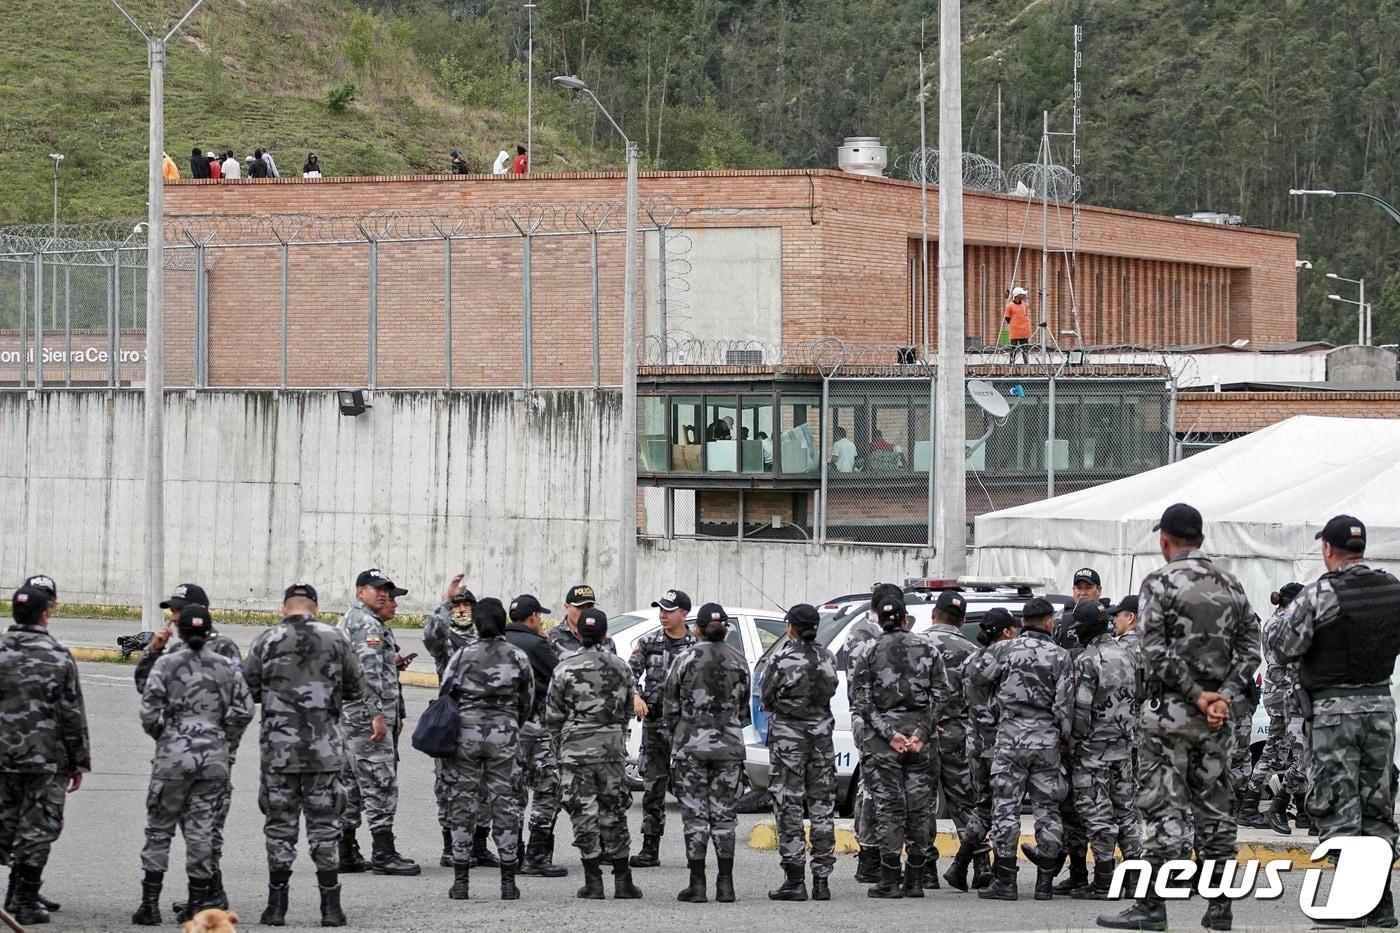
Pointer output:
x,y
706,707
565,637
1343,634
900,690
370,772
1104,732
1284,749
1028,677
997,625
865,629
587,708
1200,646
1087,587
539,768
495,691
45,750
302,672
1125,624
195,704
651,660
951,771
797,688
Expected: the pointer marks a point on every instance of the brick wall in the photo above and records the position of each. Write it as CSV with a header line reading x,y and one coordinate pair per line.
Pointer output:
x,y
1242,412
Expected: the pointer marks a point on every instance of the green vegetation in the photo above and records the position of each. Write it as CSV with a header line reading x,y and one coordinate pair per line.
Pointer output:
x,y
1203,105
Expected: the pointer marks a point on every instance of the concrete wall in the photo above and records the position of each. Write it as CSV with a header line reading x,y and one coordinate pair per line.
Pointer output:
x,y
264,490
722,285
1360,364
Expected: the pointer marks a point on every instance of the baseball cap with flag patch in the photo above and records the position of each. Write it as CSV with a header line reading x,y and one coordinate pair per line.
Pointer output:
x,y
186,594
43,582
1344,531
674,599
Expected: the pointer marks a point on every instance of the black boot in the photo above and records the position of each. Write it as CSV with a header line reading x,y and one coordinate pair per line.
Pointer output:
x,y
28,911
1097,890
956,875
1249,811
481,854
592,889
623,888
539,857
794,888
461,881
1044,884
148,914
1078,873
197,899
218,897
821,888
650,854
868,865
694,893
1238,804
385,858
1300,803
329,884
446,859
1218,915
276,913
1146,913
981,868
1003,886
509,892
724,881
931,869
1278,815
51,906
913,879
888,886
351,861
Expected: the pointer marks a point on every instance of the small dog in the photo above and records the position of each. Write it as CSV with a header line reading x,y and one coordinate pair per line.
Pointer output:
x,y
212,920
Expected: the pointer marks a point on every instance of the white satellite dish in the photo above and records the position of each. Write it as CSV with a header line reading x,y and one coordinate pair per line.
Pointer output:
x,y
988,398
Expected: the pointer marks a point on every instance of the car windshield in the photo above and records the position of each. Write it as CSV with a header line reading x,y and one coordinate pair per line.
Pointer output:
x,y
619,624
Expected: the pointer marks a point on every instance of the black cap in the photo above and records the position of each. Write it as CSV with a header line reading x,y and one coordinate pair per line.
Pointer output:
x,y
187,594
395,591
710,612
43,582
489,612
1126,604
463,596
1290,591
674,599
1344,531
26,598
891,609
883,591
1181,521
304,590
195,616
580,594
1088,612
952,603
593,622
1037,608
997,619
803,616
1087,575
524,606
373,577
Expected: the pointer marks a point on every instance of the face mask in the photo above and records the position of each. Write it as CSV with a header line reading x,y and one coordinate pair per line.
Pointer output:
x,y
1087,633
462,622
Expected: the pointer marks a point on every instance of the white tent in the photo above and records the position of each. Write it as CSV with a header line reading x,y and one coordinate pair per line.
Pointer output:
x,y
1263,498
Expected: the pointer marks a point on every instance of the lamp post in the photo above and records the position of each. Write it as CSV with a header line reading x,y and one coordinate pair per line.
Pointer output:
x,y
1363,310
1329,193
627,480
57,160
529,85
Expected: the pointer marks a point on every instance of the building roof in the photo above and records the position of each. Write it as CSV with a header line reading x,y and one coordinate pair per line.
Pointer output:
x,y
1353,387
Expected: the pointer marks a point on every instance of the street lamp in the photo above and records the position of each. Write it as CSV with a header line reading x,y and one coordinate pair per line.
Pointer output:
x,y
1363,310
1329,193
57,158
627,520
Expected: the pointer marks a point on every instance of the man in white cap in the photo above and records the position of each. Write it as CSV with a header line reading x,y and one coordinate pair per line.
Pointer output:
x,y
1017,319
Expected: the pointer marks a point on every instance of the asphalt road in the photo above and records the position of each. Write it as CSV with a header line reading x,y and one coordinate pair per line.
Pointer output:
x,y
95,872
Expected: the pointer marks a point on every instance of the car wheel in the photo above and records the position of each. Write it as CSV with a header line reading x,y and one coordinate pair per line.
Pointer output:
x,y
846,806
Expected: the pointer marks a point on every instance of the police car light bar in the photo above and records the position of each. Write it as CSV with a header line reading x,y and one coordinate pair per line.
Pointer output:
x,y
979,583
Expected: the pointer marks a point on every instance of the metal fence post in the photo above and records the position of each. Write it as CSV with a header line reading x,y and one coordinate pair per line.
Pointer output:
x,y
114,298
597,365
286,271
447,310
932,434
201,334
39,320
1050,441
661,281
822,444
22,313
373,313
67,325
1173,448
525,311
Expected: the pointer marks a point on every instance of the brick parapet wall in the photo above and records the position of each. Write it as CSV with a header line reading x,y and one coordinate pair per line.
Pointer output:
x,y
1243,412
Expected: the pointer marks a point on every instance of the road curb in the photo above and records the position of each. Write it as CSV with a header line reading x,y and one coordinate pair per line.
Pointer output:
x,y
764,836
113,656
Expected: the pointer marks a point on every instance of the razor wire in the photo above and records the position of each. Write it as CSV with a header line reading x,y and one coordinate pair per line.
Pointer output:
x,y
1036,179
979,172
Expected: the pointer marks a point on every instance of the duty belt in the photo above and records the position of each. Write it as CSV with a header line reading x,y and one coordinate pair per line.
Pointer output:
x,y
1329,693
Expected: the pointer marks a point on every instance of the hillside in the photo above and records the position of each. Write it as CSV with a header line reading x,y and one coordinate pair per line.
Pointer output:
x,y
1212,105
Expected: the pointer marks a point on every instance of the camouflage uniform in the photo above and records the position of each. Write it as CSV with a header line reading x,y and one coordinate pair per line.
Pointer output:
x,y
1104,730
981,749
867,833
370,771
651,660
1285,750
1076,832
706,706
953,773
441,642
301,671
1351,735
900,686
1198,634
43,739
494,689
797,687
539,767
589,703
1029,680
195,704
567,644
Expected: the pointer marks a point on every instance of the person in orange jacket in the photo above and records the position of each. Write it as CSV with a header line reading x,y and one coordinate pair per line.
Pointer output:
x,y
1018,322
168,168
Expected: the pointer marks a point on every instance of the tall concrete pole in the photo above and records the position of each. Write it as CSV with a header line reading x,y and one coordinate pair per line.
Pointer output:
x,y
627,526
151,615
951,522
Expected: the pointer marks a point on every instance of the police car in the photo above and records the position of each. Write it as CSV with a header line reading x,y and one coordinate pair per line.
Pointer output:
x,y
839,615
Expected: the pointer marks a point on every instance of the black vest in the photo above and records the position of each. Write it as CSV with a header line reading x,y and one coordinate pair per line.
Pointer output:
x,y
1360,647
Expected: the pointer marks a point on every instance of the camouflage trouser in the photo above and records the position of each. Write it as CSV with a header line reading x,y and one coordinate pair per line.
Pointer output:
x,y
539,772
802,772
954,775
1185,794
194,807
1351,789
654,765
283,796
708,791
979,816
596,797
1284,752
1015,772
867,835
1105,795
1241,724
902,788
31,816
482,781
1075,829
371,778
444,801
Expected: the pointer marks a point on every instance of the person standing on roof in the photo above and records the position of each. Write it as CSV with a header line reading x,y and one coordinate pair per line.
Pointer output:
x,y
1017,319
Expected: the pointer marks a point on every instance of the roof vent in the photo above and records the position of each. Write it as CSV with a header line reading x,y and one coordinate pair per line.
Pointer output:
x,y
862,155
